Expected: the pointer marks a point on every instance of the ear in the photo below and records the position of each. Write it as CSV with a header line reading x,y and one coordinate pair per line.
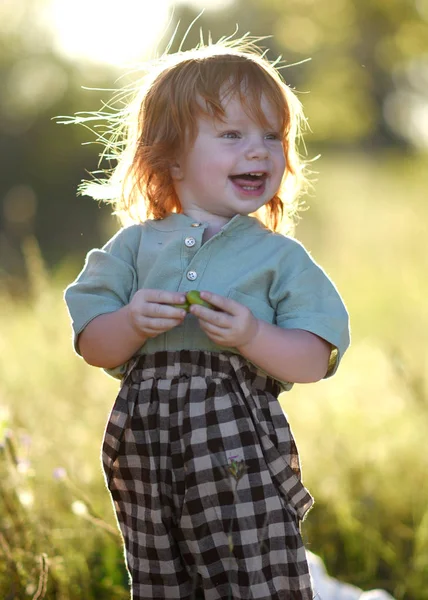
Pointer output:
x,y
176,171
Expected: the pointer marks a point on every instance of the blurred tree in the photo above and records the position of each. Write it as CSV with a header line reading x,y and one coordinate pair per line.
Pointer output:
x,y
41,163
365,86
355,49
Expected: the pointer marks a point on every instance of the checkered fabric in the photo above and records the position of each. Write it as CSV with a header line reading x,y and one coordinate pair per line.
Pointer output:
x,y
204,476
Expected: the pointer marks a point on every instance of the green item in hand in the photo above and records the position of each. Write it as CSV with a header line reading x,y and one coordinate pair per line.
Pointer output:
x,y
194,297
186,306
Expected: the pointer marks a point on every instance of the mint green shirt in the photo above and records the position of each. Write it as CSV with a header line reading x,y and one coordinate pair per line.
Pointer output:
x,y
273,275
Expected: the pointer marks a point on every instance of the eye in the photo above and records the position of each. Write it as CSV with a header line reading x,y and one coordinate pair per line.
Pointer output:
x,y
272,136
230,135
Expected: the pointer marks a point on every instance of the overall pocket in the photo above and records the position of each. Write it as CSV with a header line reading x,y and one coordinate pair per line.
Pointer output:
x,y
118,420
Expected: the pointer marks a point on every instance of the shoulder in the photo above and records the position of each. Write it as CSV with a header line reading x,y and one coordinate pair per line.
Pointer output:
x,y
283,246
286,243
125,239
128,233
252,227
123,246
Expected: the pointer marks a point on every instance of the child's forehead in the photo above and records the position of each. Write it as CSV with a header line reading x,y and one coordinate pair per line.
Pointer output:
x,y
237,108
241,108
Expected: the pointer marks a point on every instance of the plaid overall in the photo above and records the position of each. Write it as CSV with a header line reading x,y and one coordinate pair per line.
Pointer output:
x,y
204,475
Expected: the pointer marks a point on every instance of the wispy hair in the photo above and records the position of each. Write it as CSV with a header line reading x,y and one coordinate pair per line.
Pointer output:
x,y
148,123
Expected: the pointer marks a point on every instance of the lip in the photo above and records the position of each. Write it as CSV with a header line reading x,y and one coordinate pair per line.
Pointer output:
x,y
254,193
252,172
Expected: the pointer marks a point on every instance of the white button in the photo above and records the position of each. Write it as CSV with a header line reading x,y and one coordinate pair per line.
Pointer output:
x,y
195,225
190,242
192,275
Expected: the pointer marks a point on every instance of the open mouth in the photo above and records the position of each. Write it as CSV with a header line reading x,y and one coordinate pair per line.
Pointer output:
x,y
250,181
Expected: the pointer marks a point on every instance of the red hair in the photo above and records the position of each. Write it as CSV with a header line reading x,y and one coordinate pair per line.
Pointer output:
x,y
163,118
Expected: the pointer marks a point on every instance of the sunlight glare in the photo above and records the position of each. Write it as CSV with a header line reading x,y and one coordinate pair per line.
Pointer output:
x,y
210,5
107,31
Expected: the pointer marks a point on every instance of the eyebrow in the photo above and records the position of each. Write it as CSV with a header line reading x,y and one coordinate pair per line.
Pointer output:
x,y
245,116
238,123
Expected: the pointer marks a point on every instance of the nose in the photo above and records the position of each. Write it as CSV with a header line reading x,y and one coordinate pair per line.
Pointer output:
x,y
256,149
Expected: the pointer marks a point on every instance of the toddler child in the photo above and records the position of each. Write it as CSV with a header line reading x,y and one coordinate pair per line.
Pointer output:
x,y
198,455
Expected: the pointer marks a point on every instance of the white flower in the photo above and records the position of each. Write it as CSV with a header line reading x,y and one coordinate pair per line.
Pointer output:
x,y
24,466
26,497
79,508
59,473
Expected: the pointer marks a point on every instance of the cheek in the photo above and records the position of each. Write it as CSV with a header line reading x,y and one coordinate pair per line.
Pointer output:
x,y
215,164
281,162
208,163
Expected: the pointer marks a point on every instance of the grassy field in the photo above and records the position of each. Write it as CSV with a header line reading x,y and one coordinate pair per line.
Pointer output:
x,y
362,434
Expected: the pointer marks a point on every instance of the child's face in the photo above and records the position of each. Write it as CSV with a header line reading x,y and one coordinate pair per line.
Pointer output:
x,y
233,167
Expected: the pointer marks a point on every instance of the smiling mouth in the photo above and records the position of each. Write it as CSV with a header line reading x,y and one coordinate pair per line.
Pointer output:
x,y
250,181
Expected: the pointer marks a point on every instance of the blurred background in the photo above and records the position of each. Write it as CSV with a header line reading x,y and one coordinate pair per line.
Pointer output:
x,y
362,435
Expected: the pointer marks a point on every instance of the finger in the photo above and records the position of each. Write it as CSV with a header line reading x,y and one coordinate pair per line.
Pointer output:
x,y
211,329
219,319
214,333
164,297
225,304
163,311
158,326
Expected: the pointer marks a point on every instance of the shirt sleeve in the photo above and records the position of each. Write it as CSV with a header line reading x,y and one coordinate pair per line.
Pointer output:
x,y
310,301
107,282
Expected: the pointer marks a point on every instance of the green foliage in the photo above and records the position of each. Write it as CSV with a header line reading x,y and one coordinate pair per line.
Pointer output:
x,y
356,52
53,545
364,86
361,434
58,537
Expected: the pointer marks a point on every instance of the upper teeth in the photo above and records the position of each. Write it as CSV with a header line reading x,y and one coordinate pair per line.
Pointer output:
x,y
256,174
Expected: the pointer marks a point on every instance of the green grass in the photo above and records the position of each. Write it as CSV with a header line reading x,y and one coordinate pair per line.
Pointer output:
x,y
362,434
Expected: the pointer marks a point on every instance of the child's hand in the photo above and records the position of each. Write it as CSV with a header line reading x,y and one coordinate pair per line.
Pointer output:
x,y
150,311
233,324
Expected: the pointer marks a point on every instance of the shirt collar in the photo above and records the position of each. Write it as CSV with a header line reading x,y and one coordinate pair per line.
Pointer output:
x,y
238,223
